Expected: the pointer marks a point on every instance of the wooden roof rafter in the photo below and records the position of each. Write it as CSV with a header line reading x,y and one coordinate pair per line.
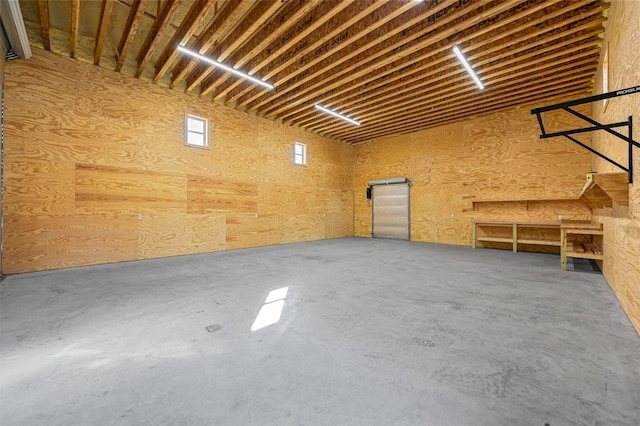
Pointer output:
x,y
387,61
45,23
361,35
254,18
418,124
490,52
260,41
105,17
416,64
352,71
75,26
417,93
286,49
496,82
160,26
229,12
365,37
130,30
197,12
323,35
443,103
305,118
398,46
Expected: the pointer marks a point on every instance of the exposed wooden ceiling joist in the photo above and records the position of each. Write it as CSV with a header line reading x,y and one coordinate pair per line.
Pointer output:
x,y
386,62
103,26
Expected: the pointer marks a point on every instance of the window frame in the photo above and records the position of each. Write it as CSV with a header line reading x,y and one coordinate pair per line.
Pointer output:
x,y
188,131
303,154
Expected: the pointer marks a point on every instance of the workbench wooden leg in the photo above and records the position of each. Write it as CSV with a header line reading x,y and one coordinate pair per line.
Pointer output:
x,y
515,237
473,235
563,249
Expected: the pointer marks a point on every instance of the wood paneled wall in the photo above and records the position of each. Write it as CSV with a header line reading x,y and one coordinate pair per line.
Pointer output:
x,y
621,223
89,150
492,157
2,61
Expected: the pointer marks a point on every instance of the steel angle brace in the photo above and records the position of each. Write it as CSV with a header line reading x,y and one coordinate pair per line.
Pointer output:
x,y
566,106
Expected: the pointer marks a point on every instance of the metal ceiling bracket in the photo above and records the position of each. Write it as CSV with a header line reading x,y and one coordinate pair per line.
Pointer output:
x,y
566,106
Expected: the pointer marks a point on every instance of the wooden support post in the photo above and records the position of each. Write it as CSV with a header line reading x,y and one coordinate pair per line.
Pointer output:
x,y
563,249
473,235
515,237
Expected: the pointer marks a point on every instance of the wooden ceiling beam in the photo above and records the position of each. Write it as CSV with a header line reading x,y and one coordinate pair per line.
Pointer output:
x,y
360,40
420,66
103,26
429,63
570,92
228,13
45,24
75,24
304,118
466,97
130,30
294,41
160,25
463,90
250,22
546,93
396,47
416,93
198,11
360,37
277,25
323,37
457,30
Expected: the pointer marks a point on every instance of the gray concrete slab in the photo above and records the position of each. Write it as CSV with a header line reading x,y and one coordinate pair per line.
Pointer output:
x,y
373,332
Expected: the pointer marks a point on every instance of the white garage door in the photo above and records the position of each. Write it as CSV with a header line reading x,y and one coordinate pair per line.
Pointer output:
x,y
391,211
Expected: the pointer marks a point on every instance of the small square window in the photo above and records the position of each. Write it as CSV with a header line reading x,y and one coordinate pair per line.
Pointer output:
x,y
299,154
196,134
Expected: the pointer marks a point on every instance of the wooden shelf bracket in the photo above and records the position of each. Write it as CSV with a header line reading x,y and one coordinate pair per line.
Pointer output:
x,y
566,106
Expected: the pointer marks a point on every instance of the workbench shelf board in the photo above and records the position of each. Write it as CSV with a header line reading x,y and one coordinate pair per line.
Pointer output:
x,y
522,233
585,256
568,232
527,204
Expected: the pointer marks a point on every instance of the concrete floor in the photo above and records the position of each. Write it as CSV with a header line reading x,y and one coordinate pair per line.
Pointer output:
x,y
373,332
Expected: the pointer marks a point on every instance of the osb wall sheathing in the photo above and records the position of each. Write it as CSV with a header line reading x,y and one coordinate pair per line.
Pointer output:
x,y
97,171
621,223
496,157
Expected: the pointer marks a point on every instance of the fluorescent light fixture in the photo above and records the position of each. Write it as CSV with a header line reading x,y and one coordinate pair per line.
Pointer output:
x,y
468,67
335,114
224,67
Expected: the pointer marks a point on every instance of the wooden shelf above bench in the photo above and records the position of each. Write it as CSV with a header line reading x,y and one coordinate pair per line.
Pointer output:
x,y
602,189
598,192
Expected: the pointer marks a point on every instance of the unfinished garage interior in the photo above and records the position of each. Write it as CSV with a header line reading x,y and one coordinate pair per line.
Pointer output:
x,y
320,212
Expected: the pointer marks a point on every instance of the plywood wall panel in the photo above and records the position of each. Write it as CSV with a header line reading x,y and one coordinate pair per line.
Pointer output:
x,y
35,187
306,227
338,225
244,230
278,198
50,242
161,235
94,146
207,195
497,156
101,189
621,264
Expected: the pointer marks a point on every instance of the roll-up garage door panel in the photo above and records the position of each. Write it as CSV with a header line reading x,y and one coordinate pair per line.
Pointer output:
x,y
391,211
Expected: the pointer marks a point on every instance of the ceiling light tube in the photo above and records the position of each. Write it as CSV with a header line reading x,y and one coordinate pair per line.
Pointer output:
x,y
335,114
468,67
225,67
